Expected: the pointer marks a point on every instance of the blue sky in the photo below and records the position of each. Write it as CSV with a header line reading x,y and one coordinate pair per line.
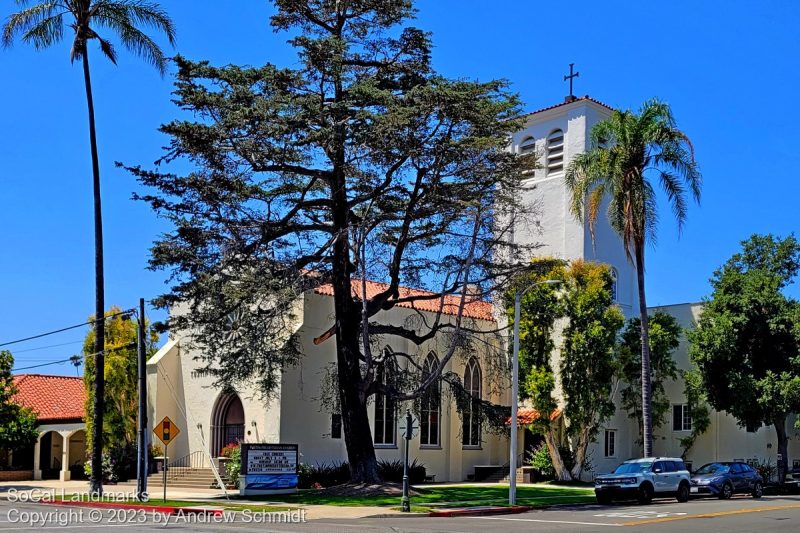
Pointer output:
x,y
728,68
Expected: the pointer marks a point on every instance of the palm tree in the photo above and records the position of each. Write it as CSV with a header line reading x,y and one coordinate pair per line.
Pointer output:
x,y
42,25
630,153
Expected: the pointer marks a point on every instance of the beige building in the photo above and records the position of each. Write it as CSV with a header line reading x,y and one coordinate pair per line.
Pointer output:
x,y
210,418
559,133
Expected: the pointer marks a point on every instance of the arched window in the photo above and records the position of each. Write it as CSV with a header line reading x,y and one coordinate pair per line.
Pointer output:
x,y
385,411
527,146
471,423
430,411
555,152
614,285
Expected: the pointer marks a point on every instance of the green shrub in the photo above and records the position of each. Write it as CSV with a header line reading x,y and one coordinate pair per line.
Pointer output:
x,y
323,474
392,471
234,466
540,460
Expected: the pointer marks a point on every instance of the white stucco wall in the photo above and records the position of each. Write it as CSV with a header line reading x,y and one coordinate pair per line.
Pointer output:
x,y
295,413
305,421
724,440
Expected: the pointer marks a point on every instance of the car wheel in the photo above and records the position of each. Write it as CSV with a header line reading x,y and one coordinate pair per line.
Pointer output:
x,y
645,494
603,499
758,489
726,492
683,493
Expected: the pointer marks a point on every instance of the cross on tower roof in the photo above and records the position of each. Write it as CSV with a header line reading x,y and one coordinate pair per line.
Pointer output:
x,y
572,75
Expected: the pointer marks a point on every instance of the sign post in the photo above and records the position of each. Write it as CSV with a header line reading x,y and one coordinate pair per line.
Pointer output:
x,y
166,431
269,468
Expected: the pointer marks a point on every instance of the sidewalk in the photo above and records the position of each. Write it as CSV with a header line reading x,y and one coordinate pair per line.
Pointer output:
x,y
210,496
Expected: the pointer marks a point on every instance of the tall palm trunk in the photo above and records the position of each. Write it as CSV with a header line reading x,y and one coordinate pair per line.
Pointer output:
x,y
96,481
647,413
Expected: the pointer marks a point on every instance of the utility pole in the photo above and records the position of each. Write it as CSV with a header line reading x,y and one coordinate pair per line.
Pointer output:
x,y
141,355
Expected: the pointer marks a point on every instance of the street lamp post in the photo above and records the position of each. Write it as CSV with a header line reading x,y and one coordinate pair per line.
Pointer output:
x,y
512,463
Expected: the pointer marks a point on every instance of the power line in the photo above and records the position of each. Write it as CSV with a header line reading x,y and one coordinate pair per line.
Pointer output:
x,y
90,322
41,365
74,359
16,352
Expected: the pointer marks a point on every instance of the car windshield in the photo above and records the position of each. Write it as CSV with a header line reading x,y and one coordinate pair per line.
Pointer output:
x,y
633,468
713,468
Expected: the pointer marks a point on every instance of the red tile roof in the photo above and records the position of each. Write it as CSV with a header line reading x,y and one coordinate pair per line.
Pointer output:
x,y
579,99
52,398
526,416
477,309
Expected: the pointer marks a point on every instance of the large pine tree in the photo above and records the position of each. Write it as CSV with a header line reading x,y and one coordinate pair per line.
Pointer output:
x,y
361,163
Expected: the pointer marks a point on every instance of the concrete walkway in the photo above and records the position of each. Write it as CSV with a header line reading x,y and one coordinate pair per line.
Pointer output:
x,y
211,496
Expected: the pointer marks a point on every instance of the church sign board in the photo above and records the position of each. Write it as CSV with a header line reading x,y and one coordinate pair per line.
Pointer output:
x,y
269,468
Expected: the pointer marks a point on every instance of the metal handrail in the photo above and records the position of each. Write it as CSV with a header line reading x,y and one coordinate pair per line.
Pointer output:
x,y
184,465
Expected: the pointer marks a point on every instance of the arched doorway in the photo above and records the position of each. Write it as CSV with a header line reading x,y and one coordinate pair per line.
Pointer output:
x,y
50,454
227,422
77,454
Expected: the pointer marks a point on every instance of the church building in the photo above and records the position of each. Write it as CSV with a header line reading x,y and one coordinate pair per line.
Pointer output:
x,y
451,449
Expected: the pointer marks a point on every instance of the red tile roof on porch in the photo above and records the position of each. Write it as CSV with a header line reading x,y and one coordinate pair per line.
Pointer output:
x,y
478,309
52,398
526,416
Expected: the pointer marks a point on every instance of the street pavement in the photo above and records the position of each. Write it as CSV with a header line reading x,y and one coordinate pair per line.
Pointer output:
x,y
741,514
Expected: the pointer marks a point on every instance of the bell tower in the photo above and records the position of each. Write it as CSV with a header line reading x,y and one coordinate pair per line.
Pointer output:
x,y
557,134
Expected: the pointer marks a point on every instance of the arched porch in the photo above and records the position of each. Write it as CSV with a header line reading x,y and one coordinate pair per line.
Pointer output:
x,y
60,452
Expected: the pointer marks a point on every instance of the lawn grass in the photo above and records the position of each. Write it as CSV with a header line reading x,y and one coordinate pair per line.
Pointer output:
x,y
451,496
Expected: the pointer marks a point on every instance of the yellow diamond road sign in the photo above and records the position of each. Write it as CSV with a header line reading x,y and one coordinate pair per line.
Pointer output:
x,y
166,430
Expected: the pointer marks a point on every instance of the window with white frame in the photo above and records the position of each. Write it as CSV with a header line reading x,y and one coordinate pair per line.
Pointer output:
x,y
681,418
610,443
527,146
430,408
471,423
385,412
554,152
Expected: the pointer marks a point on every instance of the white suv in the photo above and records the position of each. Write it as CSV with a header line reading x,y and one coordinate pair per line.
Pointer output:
x,y
644,479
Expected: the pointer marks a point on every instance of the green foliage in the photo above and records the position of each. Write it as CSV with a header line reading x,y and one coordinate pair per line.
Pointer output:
x,y
698,408
582,303
358,162
628,152
17,424
541,461
121,378
234,467
745,344
109,473
392,471
665,333
323,474
589,344
42,25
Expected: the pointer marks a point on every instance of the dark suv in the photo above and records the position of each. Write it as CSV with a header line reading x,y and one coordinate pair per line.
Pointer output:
x,y
644,479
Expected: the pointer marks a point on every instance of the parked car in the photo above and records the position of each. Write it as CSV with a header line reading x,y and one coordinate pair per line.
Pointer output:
x,y
644,479
726,479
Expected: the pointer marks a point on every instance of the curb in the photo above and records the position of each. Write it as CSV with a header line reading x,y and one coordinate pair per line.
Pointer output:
x,y
480,511
155,508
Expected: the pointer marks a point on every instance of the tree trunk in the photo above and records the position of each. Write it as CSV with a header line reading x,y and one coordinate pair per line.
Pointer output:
x,y
647,413
96,480
783,447
581,444
562,474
